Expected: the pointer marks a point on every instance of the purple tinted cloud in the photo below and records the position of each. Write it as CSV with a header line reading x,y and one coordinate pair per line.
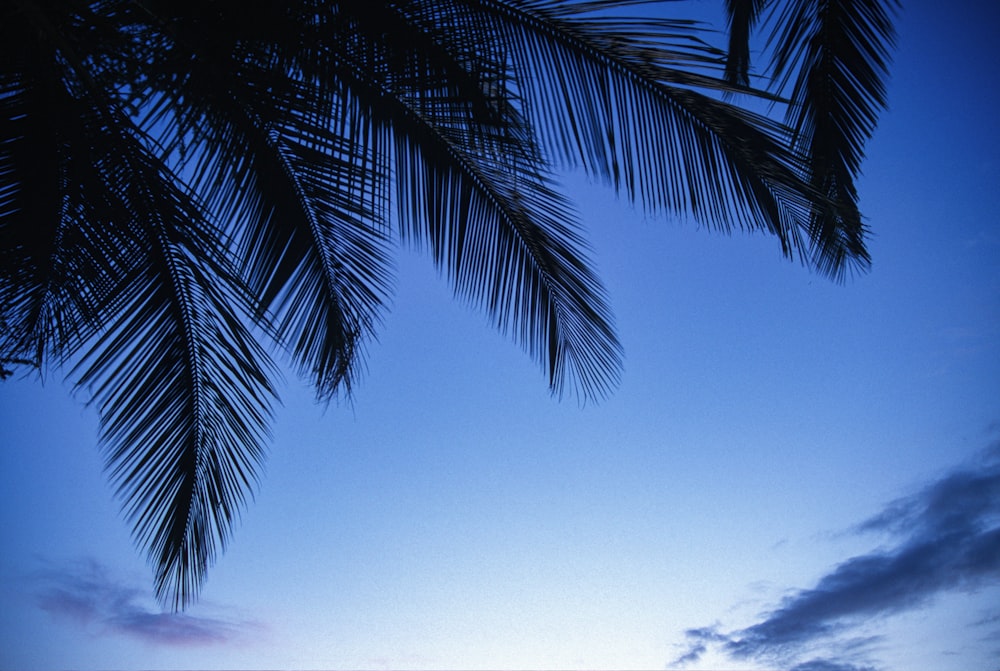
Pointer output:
x,y
88,596
947,538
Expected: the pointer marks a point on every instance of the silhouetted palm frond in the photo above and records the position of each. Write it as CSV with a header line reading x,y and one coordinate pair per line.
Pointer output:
x,y
839,51
742,16
830,59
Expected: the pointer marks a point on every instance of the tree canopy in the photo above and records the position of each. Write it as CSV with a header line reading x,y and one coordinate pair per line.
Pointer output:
x,y
187,189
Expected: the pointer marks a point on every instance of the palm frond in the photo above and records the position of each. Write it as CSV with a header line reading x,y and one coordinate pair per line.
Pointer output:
x,y
182,387
626,115
472,189
121,271
60,258
515,253
278,153
742,16
834,56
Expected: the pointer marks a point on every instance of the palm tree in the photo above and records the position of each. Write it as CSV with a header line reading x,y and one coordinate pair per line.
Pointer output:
x,y
188,188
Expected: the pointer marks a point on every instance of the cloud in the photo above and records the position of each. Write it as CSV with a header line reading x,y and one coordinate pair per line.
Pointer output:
x,y
829,665
86,595
946,537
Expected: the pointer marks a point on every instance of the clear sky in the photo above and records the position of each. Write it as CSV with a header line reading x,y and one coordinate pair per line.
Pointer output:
x,y
792,474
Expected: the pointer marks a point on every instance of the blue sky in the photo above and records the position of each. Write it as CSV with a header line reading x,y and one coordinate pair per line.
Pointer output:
x,y
792,474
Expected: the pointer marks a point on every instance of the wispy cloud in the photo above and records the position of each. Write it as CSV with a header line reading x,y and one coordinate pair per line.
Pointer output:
x,y
87,595
946,537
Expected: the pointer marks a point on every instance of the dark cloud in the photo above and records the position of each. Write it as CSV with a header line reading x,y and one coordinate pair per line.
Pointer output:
x,y
946,537
88,596
829,665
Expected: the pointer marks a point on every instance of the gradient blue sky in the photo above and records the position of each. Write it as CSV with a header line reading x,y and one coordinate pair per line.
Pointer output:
x,y
793,474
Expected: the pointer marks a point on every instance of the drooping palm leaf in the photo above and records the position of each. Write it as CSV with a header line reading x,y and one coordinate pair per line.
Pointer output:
x,y
634,119
471,187
306,203
127,272
742,16
834,56
181,385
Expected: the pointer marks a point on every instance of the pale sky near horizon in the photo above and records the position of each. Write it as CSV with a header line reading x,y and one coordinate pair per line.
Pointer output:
x,y
793,474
